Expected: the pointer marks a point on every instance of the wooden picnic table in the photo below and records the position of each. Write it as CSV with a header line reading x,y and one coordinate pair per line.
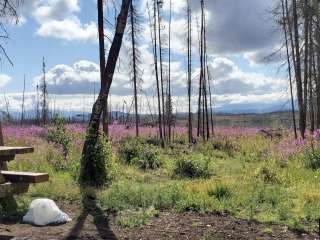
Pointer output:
x,y
12,182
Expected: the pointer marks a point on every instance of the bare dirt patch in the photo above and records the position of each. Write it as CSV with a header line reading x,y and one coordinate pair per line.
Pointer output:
x,y
93,223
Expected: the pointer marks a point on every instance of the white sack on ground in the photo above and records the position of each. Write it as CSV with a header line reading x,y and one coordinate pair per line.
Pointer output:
x,y
43,212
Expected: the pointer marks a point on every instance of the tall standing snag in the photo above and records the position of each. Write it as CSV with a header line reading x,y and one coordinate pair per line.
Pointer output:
x,y
87,163
153,30
23,98
190,135
289,65
135,60
102,58
300,95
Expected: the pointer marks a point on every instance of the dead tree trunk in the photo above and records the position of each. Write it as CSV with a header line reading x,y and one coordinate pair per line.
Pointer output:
x,y
300,95
306,57
134,62
87,163
317,38
204,56
23,99
155,55
102,58
44,94
169,78
161,67
289,68
190,134
311,77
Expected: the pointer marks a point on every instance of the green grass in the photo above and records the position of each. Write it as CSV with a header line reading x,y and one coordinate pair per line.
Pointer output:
x,y
241,177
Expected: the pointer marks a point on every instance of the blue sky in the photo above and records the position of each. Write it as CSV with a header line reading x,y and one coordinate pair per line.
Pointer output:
x,y
240,35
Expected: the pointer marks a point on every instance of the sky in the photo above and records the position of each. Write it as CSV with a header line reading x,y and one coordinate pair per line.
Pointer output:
x,y
240,36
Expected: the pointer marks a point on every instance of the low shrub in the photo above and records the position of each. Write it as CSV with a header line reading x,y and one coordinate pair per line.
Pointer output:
x,y
312,159
224,145
268,174
192,166
130,149
221,192
148,159
134,151
59,135
126,195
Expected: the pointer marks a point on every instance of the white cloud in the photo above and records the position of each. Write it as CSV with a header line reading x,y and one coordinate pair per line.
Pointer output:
x,y
69,29
4,80
55,9
76,79
230,79
58,19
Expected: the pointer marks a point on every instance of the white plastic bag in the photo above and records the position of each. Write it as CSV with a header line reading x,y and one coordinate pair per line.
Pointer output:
x,y
43,212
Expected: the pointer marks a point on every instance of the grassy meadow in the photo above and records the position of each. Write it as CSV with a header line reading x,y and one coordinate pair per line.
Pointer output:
x,y
239,171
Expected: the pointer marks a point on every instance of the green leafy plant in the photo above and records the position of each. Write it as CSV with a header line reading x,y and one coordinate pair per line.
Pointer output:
x,y
130,149
192,166
59,135
312,159
134,151
100,156
148,159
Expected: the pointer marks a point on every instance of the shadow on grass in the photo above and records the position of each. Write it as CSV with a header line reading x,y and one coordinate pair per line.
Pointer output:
x,y
100,220
10,213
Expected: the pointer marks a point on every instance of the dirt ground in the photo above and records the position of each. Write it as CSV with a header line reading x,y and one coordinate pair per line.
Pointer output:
x,y
93,223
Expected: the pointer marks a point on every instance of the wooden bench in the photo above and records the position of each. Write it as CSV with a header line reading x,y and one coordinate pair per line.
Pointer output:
x,y
25,177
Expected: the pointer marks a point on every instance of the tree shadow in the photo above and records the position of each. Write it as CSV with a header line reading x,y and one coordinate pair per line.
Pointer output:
x,y
10,213
100,220
4,237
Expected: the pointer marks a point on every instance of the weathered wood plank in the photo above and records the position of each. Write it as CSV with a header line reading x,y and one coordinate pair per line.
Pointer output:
x,y
25,177
11,151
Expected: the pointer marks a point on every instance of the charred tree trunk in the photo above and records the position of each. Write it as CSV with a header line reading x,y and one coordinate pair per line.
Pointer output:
x,y
23,99
311,77
44,95
190,129
102,58
300,95
317,35
155,55
306,57
205,74
161,68
134,58
169,78
200,90
87,163
289,68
